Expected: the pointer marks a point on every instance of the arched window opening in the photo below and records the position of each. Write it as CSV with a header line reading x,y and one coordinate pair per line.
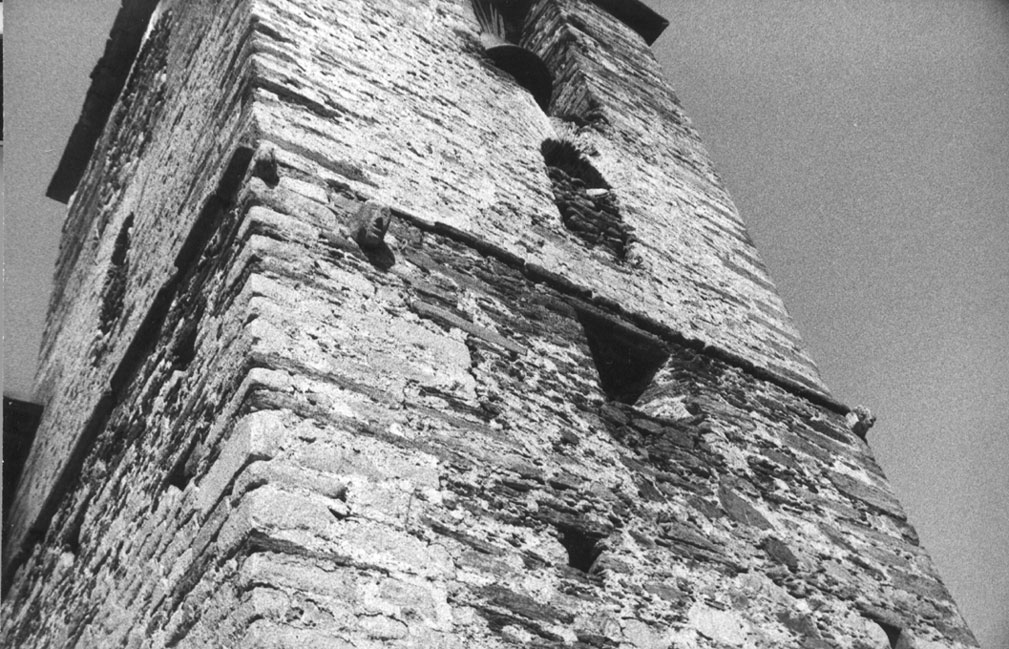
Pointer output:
x,y
501,25
585,200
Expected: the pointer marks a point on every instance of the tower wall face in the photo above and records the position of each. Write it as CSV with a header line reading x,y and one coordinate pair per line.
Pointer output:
x,y
131,225
483,431
398,102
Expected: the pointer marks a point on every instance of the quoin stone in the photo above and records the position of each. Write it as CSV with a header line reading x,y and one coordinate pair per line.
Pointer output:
x,y
429,323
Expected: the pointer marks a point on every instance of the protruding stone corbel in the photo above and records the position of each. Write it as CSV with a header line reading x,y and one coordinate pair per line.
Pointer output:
x,y
860,419
370,225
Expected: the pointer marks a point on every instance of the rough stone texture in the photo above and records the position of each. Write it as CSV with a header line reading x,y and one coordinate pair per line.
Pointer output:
x,y
156,164
585,200
397,99
476,431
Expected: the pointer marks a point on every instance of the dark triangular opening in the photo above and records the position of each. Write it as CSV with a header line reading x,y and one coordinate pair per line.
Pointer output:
x,y
179,476
626,358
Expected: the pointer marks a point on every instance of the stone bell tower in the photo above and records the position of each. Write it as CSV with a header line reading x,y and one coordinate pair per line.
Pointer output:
x,y
428,323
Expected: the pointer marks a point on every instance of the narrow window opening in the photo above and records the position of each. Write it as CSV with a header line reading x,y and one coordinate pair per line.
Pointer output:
x,y
586,202
114,290
626,358
583,547
501,26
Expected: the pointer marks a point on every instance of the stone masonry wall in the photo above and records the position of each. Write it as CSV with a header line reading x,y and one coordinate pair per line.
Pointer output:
x,y
480,432
399,100
420,454
179,118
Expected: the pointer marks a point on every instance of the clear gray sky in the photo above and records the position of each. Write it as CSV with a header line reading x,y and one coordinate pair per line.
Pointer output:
x,y
866,143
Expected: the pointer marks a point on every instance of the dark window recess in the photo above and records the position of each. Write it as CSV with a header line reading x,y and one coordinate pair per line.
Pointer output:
x,y
585,200
115,279
180,475
583,547
501,26
626,358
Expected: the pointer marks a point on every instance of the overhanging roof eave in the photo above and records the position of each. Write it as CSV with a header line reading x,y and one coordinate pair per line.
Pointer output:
x,y
107,81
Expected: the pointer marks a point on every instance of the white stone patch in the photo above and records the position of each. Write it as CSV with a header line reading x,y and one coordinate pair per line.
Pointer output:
x,y
643,636
735,458
685,638
666,407
847,469
722,626
757,584
540,585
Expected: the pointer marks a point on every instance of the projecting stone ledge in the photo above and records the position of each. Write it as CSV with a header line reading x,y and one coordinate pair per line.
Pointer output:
x,y
792,381
638,16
